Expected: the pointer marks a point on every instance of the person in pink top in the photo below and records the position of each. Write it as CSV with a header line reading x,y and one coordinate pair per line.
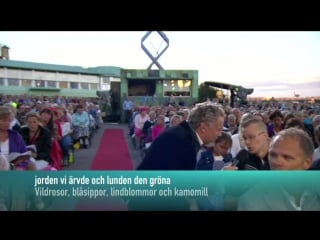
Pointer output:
x,y
159,127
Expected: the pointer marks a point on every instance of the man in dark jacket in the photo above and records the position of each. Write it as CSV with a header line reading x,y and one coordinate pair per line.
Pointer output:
x,y
177,147
255,136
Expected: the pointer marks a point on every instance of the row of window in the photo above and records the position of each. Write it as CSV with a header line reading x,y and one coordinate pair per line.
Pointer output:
x,y
51,76
135,87
138,87
44,83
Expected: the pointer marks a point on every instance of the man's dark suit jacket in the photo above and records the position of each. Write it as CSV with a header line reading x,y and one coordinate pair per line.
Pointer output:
x,y
175,149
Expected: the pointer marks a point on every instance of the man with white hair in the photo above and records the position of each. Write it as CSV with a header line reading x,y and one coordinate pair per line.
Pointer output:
x,y
177,147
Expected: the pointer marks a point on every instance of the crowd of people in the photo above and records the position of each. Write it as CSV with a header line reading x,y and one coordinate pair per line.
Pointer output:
x,y
38,133
41,133
46,128
209,136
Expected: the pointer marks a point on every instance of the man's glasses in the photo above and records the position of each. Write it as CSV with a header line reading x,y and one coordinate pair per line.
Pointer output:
x,y
250,138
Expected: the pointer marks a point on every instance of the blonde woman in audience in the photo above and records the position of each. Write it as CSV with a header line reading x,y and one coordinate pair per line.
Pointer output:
x,y
139,121
15,124
232,124
175,120
186,113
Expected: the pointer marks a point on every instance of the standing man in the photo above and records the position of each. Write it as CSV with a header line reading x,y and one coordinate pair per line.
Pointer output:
x,y
177,147
127,107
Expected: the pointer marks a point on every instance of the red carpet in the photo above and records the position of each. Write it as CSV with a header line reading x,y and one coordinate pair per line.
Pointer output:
x,y
113,152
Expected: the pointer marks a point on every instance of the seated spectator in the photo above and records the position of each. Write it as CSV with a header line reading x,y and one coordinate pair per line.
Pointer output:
x,y
66,140
11,141
80,125
139,121
15,124
34,134
175,120
232,124
158,128
277,124
217,157
147,127
186,113
48,120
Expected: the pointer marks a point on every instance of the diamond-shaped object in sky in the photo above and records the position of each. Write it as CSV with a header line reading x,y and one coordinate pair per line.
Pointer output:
x,y
154,44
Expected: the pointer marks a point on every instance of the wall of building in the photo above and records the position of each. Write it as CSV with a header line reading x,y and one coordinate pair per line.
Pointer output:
x,y
159,76
17,78
34,82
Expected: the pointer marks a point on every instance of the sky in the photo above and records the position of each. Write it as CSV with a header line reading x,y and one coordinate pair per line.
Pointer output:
x,y
274,63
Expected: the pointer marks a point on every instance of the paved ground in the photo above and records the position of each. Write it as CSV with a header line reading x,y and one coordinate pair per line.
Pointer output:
x,y
84,157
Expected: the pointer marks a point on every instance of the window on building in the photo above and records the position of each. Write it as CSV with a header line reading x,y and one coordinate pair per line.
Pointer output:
x,y
94,85
39,83
154,73
74,85
106,79
13,82
177,88
1,81
141,87
26,83
63,84
52,84
84,85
